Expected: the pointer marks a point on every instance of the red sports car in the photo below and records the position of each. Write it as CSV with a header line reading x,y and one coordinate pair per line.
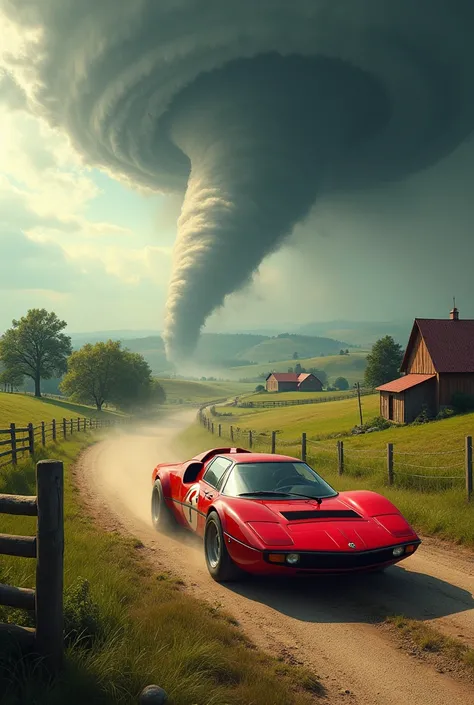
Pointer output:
x,y
272,514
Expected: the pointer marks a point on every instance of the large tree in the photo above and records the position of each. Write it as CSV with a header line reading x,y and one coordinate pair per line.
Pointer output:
x,y
383,362
36,347
341,383
104,372
10,379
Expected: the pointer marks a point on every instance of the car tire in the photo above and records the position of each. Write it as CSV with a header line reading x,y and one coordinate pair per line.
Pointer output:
x,y
161,515
219,563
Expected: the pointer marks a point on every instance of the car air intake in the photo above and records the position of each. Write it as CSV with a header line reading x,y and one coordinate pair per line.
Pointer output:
x,y
321,514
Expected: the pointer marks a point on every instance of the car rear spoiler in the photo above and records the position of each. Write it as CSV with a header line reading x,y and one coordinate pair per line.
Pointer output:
x,y
204,457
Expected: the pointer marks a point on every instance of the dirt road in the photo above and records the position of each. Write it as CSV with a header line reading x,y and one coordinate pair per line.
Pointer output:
x,y
333,625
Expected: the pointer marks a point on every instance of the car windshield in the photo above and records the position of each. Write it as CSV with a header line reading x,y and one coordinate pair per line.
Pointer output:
x,y
282,479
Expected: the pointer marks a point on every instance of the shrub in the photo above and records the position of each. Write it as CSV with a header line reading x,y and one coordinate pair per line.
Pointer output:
x,y
423,417
445,413
82,623
260,388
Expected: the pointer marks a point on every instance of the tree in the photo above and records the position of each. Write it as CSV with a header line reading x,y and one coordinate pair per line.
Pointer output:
x,y
10,379
260,388
383,362
105,373
298,369
341,352
36,347
341,383
320,374
295,356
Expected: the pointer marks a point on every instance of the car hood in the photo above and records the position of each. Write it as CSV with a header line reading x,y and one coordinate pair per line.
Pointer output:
x,y
335,525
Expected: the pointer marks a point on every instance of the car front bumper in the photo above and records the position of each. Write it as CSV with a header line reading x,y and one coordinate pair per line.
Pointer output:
x,y
330,562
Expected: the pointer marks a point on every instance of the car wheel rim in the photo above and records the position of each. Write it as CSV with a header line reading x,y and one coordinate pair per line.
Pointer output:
x,y
156,506
213,545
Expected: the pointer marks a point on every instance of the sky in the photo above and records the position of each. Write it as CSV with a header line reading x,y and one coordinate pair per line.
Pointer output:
x,y
97,251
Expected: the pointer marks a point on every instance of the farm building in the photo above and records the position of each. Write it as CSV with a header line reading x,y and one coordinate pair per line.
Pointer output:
x,y
438,363
293,382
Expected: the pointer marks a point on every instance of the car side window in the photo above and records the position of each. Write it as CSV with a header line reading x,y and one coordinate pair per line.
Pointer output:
x,y
216,470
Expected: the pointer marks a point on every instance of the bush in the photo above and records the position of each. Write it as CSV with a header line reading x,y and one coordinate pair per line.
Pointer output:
x,y
341,383
462,402
423,417
445,413
376,424
82,625
260,388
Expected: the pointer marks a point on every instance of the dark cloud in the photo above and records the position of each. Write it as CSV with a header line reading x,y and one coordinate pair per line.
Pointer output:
x,y
255,109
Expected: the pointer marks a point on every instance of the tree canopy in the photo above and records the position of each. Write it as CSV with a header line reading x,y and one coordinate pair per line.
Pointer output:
x,y
383,362
341,383
104,372
36,347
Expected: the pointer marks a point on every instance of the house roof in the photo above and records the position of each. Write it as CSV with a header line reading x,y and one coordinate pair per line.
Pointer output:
x,y
404,383
284,376
450,344
290,376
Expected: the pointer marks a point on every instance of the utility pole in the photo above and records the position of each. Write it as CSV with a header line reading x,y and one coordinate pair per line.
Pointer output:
x,y
360,404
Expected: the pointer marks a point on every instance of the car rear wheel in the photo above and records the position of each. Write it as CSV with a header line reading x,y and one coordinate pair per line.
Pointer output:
x,y
161,515
219,564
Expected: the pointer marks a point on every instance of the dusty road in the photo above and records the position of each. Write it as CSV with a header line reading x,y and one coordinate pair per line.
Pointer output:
x,y
330,625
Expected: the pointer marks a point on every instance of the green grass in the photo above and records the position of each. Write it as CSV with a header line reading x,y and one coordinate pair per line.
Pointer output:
x,y
141,627
22,409
200,392
317,420
350,366
430,640
295,396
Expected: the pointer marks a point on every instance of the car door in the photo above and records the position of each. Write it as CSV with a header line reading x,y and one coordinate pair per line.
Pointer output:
x,y
210,485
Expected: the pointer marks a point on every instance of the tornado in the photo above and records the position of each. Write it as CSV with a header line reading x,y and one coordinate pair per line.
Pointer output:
x,y
251,110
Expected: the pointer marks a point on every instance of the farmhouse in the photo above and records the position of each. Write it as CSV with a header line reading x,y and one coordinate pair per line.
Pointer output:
x,y
293,382
438,363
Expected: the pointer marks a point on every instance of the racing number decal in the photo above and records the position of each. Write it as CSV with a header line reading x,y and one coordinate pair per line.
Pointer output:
x,y
190,506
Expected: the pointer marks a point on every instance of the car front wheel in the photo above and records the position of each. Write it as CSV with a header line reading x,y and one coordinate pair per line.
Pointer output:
x,y
219,563
161,515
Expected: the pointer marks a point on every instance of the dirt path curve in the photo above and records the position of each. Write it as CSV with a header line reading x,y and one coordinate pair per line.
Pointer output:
x,y
332,626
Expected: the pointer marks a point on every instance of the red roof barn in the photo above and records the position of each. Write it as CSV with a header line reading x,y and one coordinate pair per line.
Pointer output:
x,y
438,363
293,382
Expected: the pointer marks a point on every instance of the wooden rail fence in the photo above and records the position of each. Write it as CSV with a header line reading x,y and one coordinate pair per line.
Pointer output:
x,y
15,440
47,547
463,457
270,403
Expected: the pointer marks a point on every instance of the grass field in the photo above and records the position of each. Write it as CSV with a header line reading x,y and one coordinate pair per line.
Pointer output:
x,y
295,396
317,420
350,366
22,409
191,391
136,627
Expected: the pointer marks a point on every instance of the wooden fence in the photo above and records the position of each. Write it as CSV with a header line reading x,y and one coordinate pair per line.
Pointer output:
x,y
15,440
396,472
270,403
47,547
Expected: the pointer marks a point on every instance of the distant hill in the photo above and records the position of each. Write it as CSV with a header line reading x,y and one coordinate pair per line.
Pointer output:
x,y
284,346
362,333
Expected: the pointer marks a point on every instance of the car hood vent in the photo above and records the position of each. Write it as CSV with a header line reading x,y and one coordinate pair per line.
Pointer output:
x,y
321,514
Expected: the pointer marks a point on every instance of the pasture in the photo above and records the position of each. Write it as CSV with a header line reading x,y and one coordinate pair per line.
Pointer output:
x,y
191,391
22,409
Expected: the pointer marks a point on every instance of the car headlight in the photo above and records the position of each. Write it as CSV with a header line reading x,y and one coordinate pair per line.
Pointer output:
x,y
398,551
293,558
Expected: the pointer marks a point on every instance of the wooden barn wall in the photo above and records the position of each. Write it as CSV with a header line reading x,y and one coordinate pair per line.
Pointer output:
x,y
311,385
272,385
420,361
449,384
398,406
419,396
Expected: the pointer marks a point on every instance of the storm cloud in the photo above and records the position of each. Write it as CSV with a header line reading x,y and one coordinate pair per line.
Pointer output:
x,y
252,110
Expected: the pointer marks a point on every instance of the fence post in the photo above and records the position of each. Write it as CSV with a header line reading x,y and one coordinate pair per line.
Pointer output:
x,y
231,433
43,434
250,439
49,563
64,428
31,439
71,422
78,423
340,457
390,463
54,429
303,447
468,467
13,443
273,441
220,430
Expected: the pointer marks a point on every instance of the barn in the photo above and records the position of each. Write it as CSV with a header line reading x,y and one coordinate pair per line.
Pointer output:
x,y
293,382
438,363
